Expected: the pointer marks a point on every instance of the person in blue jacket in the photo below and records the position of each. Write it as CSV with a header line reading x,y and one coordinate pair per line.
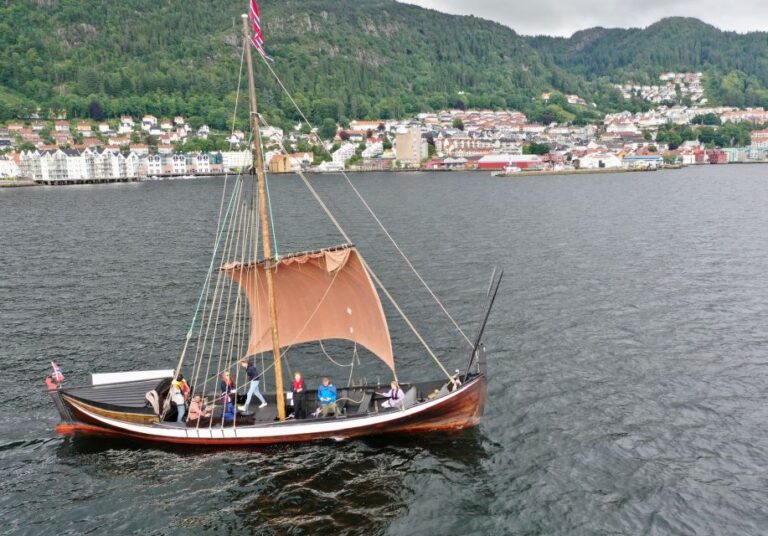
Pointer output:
x,y
326,395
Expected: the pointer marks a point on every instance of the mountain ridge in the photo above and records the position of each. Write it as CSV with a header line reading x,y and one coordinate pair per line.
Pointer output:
x,y
342,59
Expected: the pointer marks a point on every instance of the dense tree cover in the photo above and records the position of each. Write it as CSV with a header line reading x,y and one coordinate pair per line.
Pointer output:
x,y
728,135
536,148
735,65
341,58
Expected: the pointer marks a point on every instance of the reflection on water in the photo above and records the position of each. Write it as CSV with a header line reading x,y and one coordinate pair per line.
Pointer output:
x,y
319,488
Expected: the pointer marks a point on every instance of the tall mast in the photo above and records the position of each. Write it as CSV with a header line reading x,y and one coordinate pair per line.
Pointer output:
x,y
269,262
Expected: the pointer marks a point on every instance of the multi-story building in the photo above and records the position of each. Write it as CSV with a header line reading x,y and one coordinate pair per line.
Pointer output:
x,y
8,167
410,147
154,165
344,153
201,163
179,164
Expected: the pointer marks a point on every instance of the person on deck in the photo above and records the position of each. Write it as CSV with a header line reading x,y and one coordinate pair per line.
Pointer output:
x,y
227,388
184,388
326,394
177,398
298,396
254,376
197,408
395,396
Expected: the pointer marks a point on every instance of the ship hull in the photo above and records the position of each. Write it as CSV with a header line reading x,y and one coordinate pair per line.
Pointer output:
x,y
457,410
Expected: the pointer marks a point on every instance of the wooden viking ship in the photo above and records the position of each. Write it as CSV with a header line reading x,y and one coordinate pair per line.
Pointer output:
x,y
255,302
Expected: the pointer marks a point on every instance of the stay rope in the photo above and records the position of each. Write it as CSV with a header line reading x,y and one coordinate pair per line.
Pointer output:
x,y
370,271
373,214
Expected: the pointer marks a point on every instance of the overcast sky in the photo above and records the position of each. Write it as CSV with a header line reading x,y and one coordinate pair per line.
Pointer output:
x,y
563,17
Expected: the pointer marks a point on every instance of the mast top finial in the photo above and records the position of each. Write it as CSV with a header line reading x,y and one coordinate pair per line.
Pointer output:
x,y
244,15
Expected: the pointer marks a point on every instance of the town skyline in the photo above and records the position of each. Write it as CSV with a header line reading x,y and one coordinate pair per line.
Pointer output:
x,y
558,19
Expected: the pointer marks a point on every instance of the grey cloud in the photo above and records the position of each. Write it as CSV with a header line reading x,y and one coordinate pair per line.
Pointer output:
x,y
558,17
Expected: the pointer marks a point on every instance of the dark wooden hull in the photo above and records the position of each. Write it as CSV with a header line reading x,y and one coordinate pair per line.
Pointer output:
x,y
461,409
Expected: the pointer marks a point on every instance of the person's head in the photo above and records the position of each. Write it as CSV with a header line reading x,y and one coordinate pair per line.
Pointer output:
x,y
225,375
244,363
197,398
297,375
394,385
326,381
179,378
49,378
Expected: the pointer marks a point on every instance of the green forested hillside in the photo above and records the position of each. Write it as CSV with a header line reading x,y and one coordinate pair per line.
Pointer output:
x,y
736,64
341,58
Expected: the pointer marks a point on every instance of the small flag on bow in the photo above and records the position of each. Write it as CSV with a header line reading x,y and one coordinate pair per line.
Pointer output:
x,y
258,35
58,376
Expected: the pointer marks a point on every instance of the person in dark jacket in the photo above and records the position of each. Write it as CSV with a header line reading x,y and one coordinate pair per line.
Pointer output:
x,y
254,377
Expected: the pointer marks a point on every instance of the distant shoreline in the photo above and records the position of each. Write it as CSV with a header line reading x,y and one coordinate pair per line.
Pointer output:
x,y
22,183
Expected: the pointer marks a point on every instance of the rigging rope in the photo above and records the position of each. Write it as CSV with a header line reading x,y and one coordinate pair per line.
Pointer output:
x,y
370,272
373,214
269,206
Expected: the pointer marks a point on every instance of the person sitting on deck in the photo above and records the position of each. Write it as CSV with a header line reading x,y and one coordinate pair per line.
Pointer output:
x,y
298,396
197,408
395,396
326,394
254,376
229,412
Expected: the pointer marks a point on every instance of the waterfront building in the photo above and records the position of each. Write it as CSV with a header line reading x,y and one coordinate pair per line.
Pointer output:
x,y
344,153
134,165
76,165
737,154
598,160
8,168
503,161
642,161
717,156
30,164
201,163
410,147
179,164
154,164
236,160
53,166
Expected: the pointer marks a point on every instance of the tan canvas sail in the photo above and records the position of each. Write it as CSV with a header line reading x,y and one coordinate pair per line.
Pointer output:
x,y
320,295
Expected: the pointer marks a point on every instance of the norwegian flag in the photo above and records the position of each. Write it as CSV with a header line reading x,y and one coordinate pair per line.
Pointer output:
x,y
258,35
58,376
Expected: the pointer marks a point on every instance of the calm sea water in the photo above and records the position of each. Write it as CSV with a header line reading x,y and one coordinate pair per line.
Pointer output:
x,y
628,364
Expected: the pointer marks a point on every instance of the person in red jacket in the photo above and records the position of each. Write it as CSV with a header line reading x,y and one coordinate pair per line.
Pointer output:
x,y
298,396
